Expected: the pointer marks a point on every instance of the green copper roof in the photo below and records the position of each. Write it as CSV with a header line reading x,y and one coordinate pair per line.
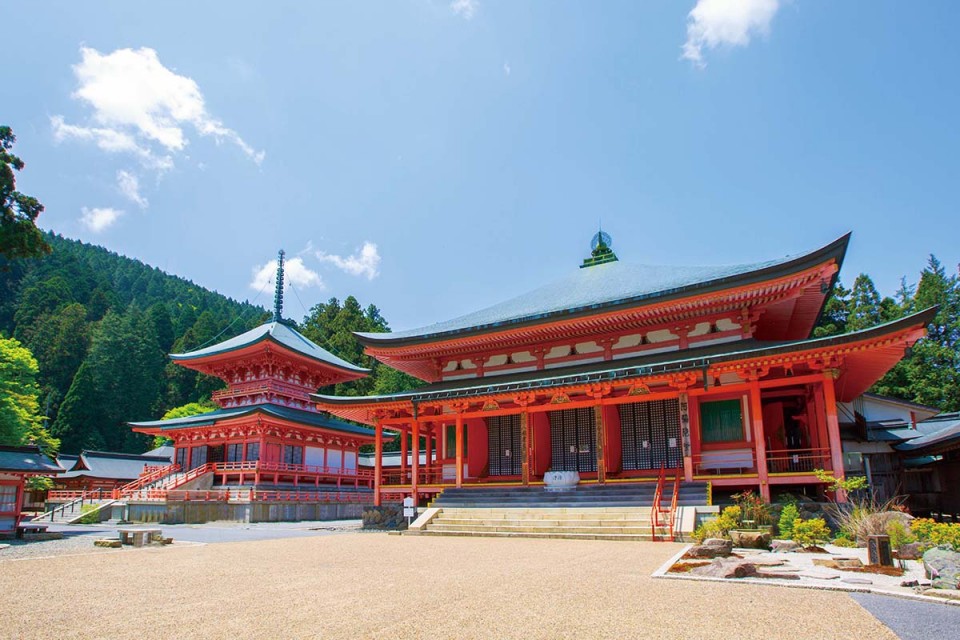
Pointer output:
x,y
279,333
307,418
694,359
603,286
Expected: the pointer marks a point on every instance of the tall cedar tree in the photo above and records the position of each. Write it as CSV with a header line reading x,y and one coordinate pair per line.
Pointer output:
x,y
19,236
20,419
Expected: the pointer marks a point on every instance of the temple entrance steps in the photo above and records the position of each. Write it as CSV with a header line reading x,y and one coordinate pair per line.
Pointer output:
x,y
588,523
597,512
638,494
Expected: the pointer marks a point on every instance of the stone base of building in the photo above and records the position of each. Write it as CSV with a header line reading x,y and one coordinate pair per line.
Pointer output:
x,y
198,512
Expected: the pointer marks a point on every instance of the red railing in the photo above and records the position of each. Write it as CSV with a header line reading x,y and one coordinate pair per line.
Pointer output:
x,y
149,475
252,495
283,467
64,495
797,460
425,475
661,518
262,386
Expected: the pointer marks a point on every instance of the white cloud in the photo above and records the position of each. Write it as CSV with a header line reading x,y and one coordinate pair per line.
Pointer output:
x,y
465,8
715,23
99,218
294,271
506,68
366,262
129,187
140,106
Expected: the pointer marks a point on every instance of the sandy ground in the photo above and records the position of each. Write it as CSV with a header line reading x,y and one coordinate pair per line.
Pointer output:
x,y
378,586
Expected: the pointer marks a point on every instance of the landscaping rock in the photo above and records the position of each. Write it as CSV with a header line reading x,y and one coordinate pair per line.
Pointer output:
x,y
910,551
819,574
750,539
110,543
852,580
3,546
711,548
726,569
942,565
784,546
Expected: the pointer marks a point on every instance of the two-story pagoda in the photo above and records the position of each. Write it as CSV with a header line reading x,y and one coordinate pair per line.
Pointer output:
x,y
618,371
267,436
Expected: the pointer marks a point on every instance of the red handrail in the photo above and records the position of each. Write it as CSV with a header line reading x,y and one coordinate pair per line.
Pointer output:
x,y
657,498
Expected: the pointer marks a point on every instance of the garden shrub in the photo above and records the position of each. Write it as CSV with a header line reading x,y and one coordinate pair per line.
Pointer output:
x,y
787,518
720,526
810,532
899,534
90,514
843,542
932,533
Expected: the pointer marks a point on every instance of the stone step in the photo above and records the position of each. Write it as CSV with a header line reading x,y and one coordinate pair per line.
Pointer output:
x,y
498,528
562,536
587,512
540,522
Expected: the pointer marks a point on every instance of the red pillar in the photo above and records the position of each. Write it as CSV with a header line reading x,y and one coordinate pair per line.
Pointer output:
x,y
459,434
377,461
525,446
416,459
833,428
760,443
429,463
404,452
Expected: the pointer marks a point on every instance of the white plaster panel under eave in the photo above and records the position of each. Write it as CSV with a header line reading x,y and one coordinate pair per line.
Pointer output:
x,y
566,364
631,340
661,335
702,328
561,351
451,366
587,347
645,352
497,361
522,356
723,324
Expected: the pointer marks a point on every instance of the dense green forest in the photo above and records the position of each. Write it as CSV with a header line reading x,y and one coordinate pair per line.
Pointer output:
x,y
100,326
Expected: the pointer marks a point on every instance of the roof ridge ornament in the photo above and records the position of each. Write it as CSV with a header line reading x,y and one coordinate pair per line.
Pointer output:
x,y
601,252
278,296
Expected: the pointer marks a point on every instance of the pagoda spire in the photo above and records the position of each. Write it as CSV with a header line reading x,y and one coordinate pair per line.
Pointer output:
x,y
601,252
278,296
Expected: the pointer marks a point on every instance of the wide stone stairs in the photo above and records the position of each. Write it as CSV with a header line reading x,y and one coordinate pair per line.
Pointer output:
x,y
603,512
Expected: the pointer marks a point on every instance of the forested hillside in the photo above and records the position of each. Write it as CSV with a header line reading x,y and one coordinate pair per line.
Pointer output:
x,y
100,326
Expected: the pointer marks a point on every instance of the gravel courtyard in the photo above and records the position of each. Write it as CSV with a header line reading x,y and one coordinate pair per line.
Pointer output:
x,y
371,585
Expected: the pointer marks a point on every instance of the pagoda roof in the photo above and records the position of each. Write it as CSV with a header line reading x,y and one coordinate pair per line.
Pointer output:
x,y
308,418
27,460
278,333
693,359
606,287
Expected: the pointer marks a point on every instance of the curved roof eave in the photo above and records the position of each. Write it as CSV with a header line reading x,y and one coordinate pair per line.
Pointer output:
x,y
739,274
266,332
624,368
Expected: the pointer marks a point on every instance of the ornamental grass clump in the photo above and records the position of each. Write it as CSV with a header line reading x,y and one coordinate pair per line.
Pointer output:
x,y
752,508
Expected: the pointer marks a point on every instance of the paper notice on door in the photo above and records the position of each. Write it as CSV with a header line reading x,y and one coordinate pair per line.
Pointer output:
x,y
672,443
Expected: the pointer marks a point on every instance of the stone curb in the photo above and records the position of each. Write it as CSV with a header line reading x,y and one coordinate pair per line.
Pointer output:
x,y
662,572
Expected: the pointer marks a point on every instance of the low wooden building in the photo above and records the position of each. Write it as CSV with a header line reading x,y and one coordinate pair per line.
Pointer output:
x,y
16,465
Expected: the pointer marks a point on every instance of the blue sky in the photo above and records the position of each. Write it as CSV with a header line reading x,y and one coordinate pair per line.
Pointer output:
x,y
435,157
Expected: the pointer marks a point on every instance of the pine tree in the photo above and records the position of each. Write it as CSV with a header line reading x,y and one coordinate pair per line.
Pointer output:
x,y
863,307
833,320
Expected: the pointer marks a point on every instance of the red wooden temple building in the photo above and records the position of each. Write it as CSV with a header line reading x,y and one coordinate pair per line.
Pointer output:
x,y
267,442
619,371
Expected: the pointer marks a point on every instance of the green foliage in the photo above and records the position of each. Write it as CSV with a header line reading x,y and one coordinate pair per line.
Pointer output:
x,y
810,532
899,534
841,541
19,236
190,409
932,533
834,483
753,508
720,526
20,419
90,514
789,514
39,483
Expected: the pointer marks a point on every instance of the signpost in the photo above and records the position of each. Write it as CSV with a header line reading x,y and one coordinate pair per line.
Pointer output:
x,y
409,510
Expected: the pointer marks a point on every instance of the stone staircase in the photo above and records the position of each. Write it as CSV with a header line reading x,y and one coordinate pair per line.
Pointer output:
x,y
598,512
70,512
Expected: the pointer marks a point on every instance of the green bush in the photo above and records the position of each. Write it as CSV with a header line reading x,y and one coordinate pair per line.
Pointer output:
x,y
90,514
720,526
787,518
752,507
810,532
933,534
843,542
899,534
